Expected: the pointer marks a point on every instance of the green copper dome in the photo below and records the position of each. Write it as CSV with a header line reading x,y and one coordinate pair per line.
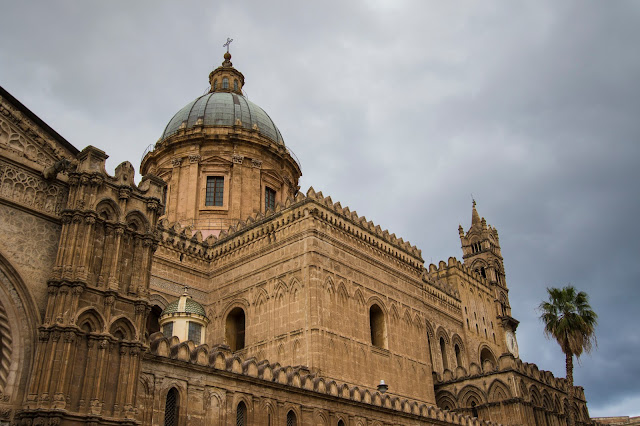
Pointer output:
x,y
223,109
184,305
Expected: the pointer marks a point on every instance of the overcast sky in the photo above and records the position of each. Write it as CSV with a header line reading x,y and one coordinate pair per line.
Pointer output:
x,y
400,110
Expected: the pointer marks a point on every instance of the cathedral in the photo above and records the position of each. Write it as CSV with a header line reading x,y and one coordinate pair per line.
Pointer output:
x,y
216,292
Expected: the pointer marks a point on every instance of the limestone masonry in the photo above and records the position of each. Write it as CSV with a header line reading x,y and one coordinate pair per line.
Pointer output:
x,y
215,292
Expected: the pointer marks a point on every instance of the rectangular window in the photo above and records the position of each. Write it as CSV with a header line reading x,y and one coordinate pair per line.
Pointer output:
x,y
195,331
269,199
167,329
215,191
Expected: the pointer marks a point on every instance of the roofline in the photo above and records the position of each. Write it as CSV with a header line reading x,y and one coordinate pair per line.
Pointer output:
x,y
26,111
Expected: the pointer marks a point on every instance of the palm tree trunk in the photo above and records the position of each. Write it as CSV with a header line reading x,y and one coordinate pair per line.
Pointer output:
x,y
570,414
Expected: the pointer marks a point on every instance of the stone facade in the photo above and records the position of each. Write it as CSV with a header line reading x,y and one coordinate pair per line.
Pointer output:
x,y
308,304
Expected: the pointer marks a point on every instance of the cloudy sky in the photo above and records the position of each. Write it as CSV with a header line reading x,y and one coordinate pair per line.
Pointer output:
x,y
400,110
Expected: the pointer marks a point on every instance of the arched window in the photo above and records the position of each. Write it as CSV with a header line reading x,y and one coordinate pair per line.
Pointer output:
x,y
340,423
153,325
225,83
235,85
429,349
235,329
171,408
215,84
443,352
474,410
241,414
291,419
378,327
458,355
486,355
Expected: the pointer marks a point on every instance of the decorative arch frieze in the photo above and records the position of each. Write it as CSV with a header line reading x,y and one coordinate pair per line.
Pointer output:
x,y
470,394
498,391
90,321
123,329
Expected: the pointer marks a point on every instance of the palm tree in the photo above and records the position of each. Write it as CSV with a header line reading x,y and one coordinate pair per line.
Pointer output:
x,y
569,319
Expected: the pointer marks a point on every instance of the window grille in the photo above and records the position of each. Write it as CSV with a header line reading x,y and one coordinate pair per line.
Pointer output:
x,y
167,329
241,414
215,191
171,408
225,83
269,199
291,419
195,332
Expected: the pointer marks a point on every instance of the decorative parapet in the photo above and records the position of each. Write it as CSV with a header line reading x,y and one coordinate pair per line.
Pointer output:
x,y
220,358
507,363
434,272
192,243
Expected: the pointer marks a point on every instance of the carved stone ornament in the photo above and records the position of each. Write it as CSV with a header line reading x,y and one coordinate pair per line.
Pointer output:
x,y
194,158
26,188
237,159
256,163
176,162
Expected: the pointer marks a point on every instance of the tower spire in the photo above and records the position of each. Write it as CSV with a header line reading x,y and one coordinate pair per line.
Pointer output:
x,y
475,217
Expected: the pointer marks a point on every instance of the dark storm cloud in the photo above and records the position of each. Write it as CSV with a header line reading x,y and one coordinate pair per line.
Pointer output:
x,y
530,106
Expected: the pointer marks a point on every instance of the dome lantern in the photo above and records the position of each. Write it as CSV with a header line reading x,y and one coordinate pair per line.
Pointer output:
x,y
226,78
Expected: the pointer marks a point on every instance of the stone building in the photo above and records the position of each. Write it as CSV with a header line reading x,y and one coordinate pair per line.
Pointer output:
x,y
216,292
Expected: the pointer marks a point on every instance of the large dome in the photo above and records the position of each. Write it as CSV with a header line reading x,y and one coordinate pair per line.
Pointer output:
x,y
224,109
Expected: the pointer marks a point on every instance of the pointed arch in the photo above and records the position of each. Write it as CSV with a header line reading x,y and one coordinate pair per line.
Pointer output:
x,y
108,210
393,312
329,286
280,289
470,394
343,294
123,329
295,290
498,391
89,320
487,355
359,298
136,221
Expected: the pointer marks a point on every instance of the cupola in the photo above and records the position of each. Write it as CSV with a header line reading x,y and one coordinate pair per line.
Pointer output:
x,y
184,318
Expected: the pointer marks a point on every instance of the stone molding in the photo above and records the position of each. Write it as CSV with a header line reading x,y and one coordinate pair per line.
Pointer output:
x,y
220,360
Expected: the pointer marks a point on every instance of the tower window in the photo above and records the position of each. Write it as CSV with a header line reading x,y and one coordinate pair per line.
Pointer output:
x,y
215,84
225,83
215,191
171,408
443,352
235,329
241,414
458,355
377,325
235,85
269,199
167,329
291,419
195,332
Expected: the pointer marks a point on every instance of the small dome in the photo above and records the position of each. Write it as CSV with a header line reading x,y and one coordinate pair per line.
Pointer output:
x,y
184,305
223,109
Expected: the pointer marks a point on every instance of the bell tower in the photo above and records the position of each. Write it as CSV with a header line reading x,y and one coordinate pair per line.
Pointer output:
x,y
481,252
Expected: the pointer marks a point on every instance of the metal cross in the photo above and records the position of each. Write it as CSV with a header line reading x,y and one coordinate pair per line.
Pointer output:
x,y
229,40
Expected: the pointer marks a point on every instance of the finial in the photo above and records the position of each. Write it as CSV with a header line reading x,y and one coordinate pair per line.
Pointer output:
x,y
229,40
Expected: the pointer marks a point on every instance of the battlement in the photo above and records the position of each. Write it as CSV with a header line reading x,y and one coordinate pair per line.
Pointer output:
x,y
219,358
506,363
452,263
191,242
